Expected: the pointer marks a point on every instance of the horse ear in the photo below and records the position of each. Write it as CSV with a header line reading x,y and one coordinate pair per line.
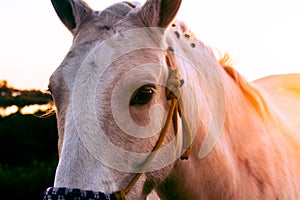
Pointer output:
x,y
71,12
159,13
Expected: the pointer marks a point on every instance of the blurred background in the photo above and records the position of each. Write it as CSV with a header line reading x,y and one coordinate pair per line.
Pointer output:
x,y
28,143
261,36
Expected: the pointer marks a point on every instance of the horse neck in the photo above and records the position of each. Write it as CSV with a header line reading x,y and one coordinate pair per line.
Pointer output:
x,y
217,175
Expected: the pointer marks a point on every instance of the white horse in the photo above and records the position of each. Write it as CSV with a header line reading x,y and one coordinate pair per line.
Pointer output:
x,y
144,106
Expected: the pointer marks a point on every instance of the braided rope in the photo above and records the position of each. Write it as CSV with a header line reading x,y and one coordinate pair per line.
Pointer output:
x,y
173,91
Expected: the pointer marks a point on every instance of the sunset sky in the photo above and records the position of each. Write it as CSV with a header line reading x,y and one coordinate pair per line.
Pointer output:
x,y
261,36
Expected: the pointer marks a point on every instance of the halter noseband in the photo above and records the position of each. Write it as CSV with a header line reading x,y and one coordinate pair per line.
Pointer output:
x,y
173,93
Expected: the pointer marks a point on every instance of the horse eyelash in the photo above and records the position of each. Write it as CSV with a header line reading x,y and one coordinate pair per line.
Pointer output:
x,y
105,27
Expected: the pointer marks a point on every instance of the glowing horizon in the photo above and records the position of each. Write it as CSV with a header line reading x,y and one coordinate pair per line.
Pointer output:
x,y
26,110
262,37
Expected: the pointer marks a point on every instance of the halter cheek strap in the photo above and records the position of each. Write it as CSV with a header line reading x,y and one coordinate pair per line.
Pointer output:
x,y
173,92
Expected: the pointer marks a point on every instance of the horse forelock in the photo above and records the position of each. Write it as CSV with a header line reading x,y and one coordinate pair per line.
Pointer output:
x,y
121,9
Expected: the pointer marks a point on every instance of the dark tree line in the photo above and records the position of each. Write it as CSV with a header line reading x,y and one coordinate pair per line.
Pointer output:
x,y
10,96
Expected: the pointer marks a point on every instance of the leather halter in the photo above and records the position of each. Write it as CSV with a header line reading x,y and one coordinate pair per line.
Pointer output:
x,y
173,93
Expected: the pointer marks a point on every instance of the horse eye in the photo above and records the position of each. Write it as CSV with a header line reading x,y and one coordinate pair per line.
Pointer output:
x,y
142,96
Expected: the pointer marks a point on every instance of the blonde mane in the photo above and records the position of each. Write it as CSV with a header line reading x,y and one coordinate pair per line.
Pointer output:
x,y
254,95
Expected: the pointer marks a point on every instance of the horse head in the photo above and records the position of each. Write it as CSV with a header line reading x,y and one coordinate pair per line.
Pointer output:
x,y
114,94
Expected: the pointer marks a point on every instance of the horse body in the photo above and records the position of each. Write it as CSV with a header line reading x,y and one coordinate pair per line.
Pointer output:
x,y
283,91
256,155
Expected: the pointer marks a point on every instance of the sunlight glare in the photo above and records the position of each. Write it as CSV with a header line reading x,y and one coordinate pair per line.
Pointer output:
x,y
4,112
31,109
